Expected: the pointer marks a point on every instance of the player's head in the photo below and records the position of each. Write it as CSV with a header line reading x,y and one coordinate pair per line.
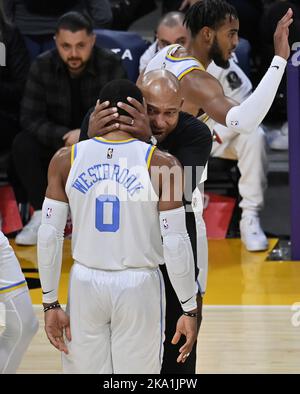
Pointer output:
x,y
119,90
170,30
214,26
162,93
75,40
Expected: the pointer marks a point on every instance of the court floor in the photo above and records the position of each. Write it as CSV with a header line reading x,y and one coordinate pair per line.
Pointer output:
x,y
251,318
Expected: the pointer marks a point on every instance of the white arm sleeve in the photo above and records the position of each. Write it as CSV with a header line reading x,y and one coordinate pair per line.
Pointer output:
x,y
49,248
178,255
248,115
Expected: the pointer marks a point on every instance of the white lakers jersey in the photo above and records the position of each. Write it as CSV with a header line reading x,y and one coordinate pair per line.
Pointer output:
x,y
113,205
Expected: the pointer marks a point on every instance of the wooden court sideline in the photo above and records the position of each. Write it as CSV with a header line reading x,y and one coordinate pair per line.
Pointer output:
x,y
250,320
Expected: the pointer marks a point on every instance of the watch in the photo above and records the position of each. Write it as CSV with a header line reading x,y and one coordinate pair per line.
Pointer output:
x,y
153,140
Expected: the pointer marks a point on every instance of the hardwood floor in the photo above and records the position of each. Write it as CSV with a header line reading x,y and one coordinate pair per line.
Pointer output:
x,y
251,317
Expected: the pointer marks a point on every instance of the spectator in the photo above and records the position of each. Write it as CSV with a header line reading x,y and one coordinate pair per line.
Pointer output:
x,y
62,85
37,19
13,72
170,30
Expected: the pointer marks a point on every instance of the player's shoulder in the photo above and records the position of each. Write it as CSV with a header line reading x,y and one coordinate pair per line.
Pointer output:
x,y
161,159
61,160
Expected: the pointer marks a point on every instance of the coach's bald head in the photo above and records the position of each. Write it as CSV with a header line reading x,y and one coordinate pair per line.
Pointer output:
x,y
162,93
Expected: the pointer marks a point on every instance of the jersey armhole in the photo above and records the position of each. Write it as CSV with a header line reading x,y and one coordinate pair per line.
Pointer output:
x,y
73,153
149,155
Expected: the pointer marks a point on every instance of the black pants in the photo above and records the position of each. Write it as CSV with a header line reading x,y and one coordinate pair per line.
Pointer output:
x,y
171,352
8,130
31,160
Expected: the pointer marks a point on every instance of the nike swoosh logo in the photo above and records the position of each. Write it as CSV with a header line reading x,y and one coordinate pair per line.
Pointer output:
x,y
276,67
47,292
184,302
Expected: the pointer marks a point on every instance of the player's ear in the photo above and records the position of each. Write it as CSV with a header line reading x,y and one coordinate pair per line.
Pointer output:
x,y
207,34
181,104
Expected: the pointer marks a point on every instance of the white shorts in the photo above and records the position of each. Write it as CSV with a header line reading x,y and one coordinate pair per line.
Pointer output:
x,y
117,321
12,281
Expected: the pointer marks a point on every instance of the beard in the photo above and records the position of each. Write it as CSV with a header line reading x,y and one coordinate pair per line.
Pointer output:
x,y
78,60
216,55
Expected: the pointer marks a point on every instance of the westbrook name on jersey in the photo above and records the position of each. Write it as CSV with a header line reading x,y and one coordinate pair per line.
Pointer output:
x,y
113,205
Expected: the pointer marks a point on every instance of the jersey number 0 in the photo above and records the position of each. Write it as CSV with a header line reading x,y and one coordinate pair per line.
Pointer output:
x,y
107,213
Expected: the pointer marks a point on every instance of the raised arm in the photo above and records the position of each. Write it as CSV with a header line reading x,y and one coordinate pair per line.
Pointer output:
x,y
208,93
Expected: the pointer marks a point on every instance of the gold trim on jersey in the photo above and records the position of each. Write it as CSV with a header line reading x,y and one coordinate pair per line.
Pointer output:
x,y
8,289
114,141
180,76
150,155
204,118
72,154
178,59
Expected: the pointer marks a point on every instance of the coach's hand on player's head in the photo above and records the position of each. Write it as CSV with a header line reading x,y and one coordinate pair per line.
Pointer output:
x,y
281,35
186,326
137,124
57,325
100,122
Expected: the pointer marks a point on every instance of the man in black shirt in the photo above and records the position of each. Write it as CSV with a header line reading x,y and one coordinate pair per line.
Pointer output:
x,y
185,137
62,85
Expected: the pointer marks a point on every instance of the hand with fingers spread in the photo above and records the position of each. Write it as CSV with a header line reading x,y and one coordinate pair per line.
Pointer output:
x,y
281,35
57,325
186,326
103,120
138,123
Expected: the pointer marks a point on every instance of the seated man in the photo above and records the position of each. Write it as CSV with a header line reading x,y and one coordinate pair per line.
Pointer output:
x,y
170,30
62,85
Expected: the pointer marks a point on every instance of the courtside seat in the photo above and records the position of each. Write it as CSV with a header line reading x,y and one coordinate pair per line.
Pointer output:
x,y
4,159
243,54
128,45
38,46
223,176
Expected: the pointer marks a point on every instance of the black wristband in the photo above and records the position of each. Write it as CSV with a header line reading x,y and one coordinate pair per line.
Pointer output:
x,y
52,306
190,314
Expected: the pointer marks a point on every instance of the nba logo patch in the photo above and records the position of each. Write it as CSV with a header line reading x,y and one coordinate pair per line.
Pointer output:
x,y
165,224
110,153
49,213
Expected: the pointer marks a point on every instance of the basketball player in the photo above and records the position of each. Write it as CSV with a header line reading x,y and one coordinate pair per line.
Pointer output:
x,y
20,321
214,29
116,295
190,141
